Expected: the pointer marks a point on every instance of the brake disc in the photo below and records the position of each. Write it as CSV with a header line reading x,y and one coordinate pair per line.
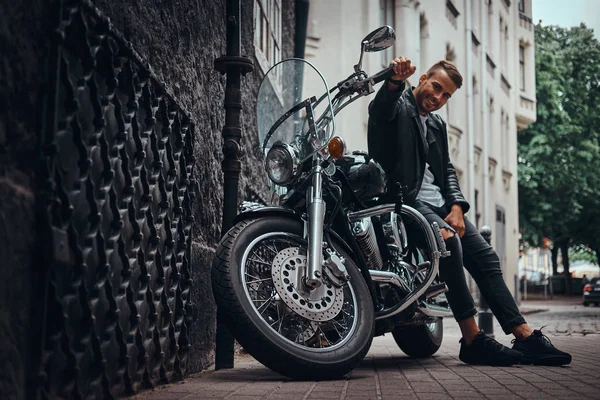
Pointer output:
x,y
319,304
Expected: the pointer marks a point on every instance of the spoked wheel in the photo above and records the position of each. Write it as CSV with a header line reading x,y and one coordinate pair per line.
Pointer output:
x,y
421,341
304,334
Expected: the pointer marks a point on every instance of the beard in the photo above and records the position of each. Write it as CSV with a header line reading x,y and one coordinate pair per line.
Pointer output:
x,y
425,103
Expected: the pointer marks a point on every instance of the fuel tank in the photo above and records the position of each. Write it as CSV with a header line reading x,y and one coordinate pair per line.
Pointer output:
x,y
366,177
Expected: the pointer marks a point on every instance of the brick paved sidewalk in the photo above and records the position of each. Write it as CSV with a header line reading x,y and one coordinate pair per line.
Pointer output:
x,y
386,373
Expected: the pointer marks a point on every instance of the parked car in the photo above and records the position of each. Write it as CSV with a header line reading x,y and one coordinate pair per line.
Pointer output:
x,y
591,292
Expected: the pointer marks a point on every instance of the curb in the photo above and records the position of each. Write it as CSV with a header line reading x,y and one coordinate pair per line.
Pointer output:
x,y
533,311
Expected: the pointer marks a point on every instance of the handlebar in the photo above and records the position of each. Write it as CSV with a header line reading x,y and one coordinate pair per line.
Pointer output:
x,y
382,75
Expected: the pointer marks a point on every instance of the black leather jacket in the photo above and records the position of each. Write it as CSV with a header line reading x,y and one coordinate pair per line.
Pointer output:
x,y
396,141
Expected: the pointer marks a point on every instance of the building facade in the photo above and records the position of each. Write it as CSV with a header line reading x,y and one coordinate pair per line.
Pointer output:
x,y
492,44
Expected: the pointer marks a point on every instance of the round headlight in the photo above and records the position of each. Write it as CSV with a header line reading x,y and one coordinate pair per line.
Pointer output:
x,y
281,164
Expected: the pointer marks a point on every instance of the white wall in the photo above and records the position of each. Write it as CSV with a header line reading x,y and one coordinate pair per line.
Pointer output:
x,y
336,28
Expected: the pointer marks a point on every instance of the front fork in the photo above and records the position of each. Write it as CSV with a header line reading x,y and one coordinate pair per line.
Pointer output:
x,y
316,213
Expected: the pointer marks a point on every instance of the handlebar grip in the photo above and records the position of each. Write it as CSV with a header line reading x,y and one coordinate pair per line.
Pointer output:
x,y
383,75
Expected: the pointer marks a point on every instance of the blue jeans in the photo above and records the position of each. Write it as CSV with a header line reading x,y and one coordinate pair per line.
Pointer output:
x,y
482,262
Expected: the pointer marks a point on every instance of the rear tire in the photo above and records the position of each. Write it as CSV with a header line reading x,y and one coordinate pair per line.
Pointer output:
x,y
287,341
420,341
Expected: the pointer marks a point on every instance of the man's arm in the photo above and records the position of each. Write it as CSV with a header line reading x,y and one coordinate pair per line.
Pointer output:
x,y
384,106
453,193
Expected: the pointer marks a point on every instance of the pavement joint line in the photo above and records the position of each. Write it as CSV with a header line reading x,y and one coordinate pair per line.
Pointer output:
x,y
435,380
273,392
309,391
345,389
235,391
377,384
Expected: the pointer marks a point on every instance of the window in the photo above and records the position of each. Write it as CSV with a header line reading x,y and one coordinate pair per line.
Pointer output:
x,y
522,6
477,120
477,212
501,40
424,43
267,32
491,118
387,18
490,28
505,46
475,17
450,56
522,67
451,13
505,141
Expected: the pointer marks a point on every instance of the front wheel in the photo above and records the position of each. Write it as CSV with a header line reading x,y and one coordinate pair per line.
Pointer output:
x,y
257,281
420,341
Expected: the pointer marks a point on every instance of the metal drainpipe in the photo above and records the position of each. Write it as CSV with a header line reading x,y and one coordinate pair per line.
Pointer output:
x,y
486,321
470,122
484,111
301,14
486,318
234,65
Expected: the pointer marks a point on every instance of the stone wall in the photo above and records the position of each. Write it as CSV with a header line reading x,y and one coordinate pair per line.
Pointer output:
x,y
21,94
179,41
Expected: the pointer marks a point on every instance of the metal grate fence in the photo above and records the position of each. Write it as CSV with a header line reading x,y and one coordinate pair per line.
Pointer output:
x,y
117,154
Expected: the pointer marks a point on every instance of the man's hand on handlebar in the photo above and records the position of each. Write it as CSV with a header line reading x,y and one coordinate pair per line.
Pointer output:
x,y
402,69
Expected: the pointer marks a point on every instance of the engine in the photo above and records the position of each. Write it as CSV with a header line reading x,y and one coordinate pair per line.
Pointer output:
x,y
365,236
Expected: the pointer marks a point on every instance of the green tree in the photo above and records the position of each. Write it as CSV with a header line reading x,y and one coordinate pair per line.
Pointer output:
x,y
559,155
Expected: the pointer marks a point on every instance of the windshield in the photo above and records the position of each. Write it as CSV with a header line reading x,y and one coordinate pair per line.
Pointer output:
x,y
288,94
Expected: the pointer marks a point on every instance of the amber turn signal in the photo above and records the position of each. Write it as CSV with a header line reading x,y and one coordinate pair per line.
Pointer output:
x,y
336,147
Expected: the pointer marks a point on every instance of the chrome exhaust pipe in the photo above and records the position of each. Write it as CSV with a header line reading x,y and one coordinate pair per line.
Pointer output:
x,y
435,290
434,311
388,277
432,239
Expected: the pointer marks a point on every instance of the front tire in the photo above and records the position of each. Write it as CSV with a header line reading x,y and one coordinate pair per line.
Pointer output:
x,y
420,341
251,283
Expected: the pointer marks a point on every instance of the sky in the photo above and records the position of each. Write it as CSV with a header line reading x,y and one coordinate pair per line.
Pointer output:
x,y
567,13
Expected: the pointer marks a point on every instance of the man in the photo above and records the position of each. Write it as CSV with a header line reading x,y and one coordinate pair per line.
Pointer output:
x,y
411,144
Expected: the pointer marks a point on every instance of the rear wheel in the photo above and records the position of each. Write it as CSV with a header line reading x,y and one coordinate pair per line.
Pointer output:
x,y
257,280
420,341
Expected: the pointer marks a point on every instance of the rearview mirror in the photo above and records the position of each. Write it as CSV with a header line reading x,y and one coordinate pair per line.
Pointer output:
x,y
379,39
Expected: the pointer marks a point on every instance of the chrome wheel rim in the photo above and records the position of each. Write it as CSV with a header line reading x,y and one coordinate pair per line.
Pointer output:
x,y
263,273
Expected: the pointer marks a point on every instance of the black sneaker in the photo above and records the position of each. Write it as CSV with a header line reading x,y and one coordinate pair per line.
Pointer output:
x,y
538,350
484,350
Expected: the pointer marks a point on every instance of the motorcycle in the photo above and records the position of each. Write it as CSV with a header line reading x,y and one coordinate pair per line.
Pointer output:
x,y
306,285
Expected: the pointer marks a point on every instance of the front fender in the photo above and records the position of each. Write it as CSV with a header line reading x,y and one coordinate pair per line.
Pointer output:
x,y
249,210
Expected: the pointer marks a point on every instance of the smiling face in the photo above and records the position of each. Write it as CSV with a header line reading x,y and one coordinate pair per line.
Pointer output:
x,y
433,91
